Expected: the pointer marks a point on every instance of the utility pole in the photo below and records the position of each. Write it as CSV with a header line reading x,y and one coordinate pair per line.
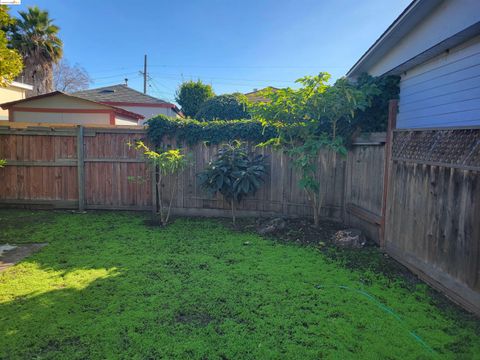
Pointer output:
x,y
145,74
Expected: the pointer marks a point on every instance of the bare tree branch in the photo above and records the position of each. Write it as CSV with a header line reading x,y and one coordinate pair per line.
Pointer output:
x,y
70,78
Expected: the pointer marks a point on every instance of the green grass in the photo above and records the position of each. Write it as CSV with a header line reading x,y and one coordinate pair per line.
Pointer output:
x,y
107,286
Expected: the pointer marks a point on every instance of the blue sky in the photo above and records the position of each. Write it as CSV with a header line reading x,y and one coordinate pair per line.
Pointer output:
x,y
235,45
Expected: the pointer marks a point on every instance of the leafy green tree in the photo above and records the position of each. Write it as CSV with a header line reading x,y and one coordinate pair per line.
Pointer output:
x,y
224,107
235,173
3,163
307,119
10,60
191,95
167,163
36,38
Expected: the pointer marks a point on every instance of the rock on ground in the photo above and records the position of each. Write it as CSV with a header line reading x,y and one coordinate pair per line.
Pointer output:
x,y
352,238
271,226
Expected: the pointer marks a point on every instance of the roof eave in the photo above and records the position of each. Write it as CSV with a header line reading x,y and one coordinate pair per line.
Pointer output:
x,y
403,24
21,85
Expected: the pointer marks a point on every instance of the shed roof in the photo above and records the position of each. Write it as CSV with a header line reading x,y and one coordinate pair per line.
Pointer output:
x,y
117,110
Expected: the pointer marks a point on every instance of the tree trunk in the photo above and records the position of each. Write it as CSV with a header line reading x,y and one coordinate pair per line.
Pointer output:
x,y
174,191
317,208
233,211
316,217
38,74
161,208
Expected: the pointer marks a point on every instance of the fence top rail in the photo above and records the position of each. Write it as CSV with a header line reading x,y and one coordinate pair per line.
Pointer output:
x,y
29,128
446,128
54,126
373,138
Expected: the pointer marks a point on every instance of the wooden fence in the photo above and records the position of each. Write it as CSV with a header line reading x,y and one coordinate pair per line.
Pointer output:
x,y
418,196
90,167
67,167
433,212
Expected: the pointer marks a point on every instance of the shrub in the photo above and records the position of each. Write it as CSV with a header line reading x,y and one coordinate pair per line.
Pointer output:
x,y
191,95
224,107
234,173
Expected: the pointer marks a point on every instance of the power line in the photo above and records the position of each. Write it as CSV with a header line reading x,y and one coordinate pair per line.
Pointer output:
x,y
113,76
251,66
222,78
154,85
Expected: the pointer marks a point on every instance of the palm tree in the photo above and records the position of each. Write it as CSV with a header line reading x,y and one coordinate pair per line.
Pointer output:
x,y
36,38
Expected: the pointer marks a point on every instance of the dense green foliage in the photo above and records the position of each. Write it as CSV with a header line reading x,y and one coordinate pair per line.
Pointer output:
x,y
375,116
3,163
224,107
108,287
214,132
191,95
10,60
235,173
316,105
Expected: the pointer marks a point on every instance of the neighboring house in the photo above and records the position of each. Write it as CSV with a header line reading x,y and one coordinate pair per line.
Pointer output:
x,y
256,95
132,100
58,107
14,91
434,46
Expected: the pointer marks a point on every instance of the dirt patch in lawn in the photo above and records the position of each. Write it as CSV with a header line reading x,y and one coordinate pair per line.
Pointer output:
x,y
302,232
12,254
296,230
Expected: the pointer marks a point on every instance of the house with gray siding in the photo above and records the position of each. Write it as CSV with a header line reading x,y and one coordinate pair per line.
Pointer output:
x,y
434,46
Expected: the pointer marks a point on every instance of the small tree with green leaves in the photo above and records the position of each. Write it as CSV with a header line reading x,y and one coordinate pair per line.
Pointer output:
x,y
167,163
234,173
307,119
10,60
191,95
3,163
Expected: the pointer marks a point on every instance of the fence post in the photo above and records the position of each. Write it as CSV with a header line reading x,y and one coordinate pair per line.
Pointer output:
x,y
80,169
392,123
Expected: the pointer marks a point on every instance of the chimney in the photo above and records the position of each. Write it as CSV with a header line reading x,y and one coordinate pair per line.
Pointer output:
x,y
126,81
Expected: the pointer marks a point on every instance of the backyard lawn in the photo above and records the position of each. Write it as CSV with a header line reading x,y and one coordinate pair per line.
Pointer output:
x,y
109,286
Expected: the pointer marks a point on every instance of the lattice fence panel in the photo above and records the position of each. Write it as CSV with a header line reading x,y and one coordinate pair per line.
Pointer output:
x,y
460,147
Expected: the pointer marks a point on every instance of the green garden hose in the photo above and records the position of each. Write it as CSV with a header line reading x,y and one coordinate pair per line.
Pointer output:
x,y
384,308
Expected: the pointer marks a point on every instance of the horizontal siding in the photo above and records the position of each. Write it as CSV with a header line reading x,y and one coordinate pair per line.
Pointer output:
x,y
61,118
444,92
